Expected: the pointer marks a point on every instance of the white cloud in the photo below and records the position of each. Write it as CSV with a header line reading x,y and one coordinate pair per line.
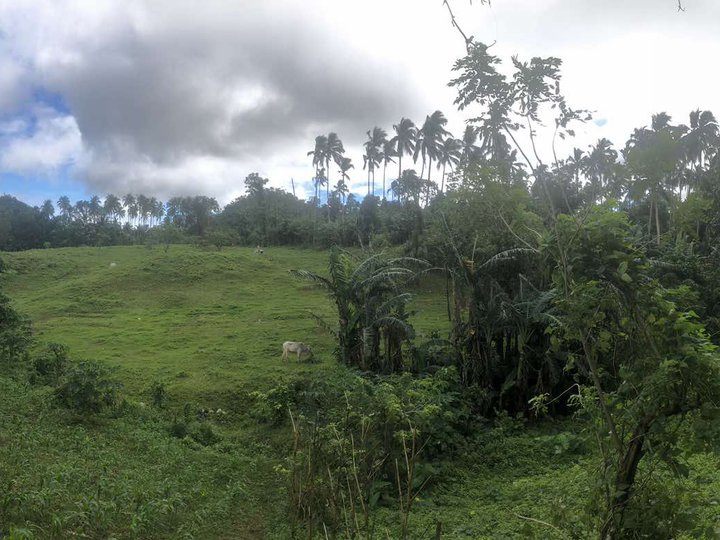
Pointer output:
x,y
172,98
54,142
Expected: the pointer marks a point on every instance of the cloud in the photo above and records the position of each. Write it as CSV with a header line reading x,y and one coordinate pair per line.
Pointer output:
x,y
164,84
42,145
169,97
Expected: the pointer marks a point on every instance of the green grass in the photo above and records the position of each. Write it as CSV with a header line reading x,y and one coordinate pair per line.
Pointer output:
x,y
209,325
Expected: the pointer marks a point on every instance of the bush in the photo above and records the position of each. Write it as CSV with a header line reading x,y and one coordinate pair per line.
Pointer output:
x,y
88,388
50,365
15,332
158,394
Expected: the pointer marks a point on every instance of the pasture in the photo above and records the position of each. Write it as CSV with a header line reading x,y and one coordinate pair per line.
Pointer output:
x,y
209,325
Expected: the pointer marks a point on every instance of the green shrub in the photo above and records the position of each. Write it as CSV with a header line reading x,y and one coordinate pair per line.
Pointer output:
x,y
50,365
88,388
15,332
205,434
158,394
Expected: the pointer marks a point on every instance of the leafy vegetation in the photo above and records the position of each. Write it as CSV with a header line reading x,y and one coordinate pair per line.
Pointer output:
x,y
526,348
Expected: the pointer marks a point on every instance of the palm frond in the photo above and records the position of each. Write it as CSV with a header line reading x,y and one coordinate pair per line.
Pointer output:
x,y
510,255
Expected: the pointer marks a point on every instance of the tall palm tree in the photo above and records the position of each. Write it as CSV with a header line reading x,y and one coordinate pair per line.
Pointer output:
x,y
334,150
113,206
450,152
143,204
319,154
96,209
699,142
652,157
341,188
388,153
66,207
429,139
598,166
345,164
373,154
404,140
130,206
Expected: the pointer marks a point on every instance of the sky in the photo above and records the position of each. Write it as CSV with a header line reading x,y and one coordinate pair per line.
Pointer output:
x,y
177,97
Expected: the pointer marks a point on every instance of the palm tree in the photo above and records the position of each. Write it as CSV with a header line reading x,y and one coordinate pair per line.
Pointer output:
x,y
66,207
652,158
47,210
598,166
319,154
429,139
130,206
373,153
156,210
334,150
449,153
113,207
699,141
96,209
404,140
341,188
143,204
344,164
320,180
388,153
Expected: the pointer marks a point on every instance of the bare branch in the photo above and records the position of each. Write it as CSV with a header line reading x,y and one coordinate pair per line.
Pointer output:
x,y
680,6
453,20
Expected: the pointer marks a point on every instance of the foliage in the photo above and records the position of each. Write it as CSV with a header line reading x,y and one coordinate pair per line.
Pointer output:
x,y
49,366
88,388
648,363
15,333
370,302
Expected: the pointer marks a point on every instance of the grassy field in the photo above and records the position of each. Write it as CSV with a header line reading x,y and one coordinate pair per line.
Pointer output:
x,y
209,325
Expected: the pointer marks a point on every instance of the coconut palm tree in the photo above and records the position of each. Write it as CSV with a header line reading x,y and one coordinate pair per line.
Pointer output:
x,y
388,153
66,207
113,207
652,156
373,154
341,188
404,140
449,153
599,165
334,150
319,154
429,138
345,164
699,142
131,209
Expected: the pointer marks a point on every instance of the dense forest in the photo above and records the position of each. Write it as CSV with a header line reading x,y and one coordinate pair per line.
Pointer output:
x,y
585,284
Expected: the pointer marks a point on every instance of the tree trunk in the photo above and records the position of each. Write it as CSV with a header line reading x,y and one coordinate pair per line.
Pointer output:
x,y
399,163
384,168
624,482
657,223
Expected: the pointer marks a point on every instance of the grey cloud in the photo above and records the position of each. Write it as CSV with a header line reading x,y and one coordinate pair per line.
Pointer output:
x,y
166,93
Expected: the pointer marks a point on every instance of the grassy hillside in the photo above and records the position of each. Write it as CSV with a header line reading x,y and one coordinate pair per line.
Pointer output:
x,y
209,325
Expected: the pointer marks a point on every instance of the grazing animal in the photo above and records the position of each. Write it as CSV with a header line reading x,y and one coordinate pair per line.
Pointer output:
x,y
260,250
295,347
